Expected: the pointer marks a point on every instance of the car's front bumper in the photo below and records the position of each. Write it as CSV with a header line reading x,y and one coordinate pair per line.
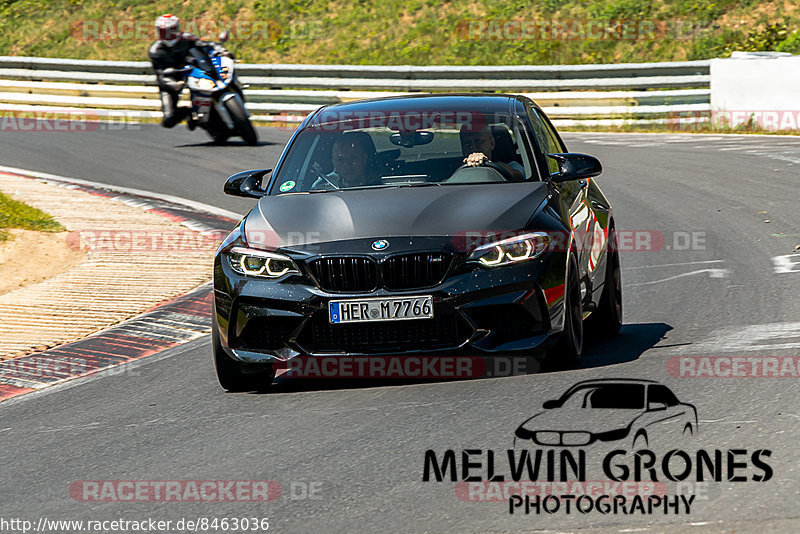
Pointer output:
x,y
478,312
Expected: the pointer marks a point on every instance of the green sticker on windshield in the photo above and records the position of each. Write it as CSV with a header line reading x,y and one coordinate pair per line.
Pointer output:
x,y
287,186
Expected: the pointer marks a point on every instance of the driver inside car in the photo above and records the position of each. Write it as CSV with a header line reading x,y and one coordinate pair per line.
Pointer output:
x,y
352,156
478,145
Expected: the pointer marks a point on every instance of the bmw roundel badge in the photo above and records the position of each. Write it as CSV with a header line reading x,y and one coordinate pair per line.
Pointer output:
x,y
380,244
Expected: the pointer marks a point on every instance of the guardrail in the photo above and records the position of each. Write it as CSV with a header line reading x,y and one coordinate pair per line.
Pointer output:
x,y
569,94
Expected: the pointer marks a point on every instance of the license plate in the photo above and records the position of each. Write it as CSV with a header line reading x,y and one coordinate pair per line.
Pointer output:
x,y
380,309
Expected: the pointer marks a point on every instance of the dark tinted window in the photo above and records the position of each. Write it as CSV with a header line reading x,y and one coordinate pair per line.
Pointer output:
x,y
618,396
544,136
659,393
555,143
336,155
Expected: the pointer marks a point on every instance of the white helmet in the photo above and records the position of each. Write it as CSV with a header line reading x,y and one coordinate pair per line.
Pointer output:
x,y
168,27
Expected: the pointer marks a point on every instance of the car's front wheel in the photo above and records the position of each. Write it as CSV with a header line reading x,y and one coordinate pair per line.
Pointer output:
x,y
569,348
607,319
235,376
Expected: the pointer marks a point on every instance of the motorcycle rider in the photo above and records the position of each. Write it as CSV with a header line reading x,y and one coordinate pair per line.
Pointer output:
x,y
169,56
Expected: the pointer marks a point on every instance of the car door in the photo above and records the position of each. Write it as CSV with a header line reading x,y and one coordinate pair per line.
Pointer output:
x,y
667,417
573,193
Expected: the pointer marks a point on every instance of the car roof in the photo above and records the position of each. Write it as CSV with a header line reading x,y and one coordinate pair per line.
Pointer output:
x,y
616,380
605,381
467,102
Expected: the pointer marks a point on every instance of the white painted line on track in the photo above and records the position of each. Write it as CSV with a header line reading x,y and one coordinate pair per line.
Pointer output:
x,y
712,273
760,337
790,263
705,262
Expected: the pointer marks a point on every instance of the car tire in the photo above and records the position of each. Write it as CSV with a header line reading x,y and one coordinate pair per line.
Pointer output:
x,y
241,121
607,319
568,349
231,373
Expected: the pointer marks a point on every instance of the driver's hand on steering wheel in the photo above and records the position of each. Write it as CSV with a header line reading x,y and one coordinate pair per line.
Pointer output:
x,y
476,159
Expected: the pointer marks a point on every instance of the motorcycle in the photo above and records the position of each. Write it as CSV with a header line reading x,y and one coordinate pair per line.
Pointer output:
x,y
217,98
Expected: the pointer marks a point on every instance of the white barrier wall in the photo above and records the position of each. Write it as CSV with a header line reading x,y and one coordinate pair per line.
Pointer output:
x,y
760,87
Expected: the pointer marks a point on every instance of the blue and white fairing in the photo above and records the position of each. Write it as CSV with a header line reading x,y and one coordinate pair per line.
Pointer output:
x,y
202,87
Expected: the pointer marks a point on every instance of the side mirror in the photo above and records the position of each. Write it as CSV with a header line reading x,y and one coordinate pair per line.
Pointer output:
x,y
549,405
656,406
224,36
574,166
246,184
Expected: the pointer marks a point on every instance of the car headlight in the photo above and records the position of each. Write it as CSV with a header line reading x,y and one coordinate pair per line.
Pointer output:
x,y
548,438
251,262
512,250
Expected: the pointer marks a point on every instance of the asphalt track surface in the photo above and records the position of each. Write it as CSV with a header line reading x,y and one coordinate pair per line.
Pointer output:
x,y
362,442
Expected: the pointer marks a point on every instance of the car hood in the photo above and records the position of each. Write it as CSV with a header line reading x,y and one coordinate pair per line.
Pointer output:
x,y
447,210
581,419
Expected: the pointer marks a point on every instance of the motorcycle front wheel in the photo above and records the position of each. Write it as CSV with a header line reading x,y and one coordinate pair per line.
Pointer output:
x,y
241,121
216,129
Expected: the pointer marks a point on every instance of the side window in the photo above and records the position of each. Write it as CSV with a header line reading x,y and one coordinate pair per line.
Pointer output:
x,y
544,137
555,144
662,394
523,150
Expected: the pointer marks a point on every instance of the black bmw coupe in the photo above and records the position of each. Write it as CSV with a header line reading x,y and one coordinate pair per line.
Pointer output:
x,y
433,224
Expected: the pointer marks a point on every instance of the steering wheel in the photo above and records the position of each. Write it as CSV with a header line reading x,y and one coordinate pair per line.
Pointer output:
x,y
502,171
317,169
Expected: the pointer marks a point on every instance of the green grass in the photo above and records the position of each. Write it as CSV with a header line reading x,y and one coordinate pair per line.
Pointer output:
x,y
14,214
416,32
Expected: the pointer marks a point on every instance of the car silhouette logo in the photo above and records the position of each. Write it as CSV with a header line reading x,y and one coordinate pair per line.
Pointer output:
x,y
380,244
639,411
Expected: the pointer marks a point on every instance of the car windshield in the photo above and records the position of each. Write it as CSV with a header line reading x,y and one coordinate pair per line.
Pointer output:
x,y
334,155
614,396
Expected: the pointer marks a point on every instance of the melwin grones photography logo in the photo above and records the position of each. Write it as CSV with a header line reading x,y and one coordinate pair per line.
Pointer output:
x,y
608,446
